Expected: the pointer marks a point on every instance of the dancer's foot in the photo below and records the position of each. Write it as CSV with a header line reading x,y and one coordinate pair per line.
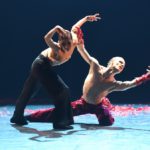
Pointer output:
x,y
71,122
62,127
19,120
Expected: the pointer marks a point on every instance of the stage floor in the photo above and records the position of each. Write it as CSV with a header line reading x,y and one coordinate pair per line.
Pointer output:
x,y
129,132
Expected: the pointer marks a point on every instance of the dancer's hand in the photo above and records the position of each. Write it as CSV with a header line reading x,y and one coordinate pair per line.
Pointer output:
x,y
60,30
148,70
148,73
144,77
92,18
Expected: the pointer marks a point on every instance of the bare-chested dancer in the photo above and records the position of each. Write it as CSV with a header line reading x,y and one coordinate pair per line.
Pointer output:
x,y
99,82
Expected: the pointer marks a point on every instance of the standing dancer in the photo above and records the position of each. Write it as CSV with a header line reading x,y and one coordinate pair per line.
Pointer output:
x,y
42,70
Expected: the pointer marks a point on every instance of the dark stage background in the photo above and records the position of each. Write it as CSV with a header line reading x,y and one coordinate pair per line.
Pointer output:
x,y
123,31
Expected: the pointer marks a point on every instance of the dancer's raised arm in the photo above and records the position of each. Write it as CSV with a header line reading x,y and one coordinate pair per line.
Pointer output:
x,y
89,18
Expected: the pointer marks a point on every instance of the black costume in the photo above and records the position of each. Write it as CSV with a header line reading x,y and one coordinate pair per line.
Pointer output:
x,y
42,71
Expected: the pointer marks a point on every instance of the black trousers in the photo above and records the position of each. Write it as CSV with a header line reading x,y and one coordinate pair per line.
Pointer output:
x,y
43,72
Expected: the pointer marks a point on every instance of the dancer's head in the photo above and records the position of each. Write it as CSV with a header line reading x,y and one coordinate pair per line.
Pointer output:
x,y
64,39
117,64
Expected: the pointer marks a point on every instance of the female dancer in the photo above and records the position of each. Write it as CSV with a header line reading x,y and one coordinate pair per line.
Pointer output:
x,y
42,70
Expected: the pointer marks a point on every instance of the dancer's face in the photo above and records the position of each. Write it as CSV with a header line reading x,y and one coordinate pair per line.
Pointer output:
x,y
117,63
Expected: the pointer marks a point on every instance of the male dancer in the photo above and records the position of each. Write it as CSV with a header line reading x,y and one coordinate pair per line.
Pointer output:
x,y
99,82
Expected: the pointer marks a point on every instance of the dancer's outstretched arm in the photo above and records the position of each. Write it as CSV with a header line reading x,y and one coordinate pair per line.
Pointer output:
x,y
89,18
122,86
76,31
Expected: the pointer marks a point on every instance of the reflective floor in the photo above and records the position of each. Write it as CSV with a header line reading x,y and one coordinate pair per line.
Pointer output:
x,y
129,132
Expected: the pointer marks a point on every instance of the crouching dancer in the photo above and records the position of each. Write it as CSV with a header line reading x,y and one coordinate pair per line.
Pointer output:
x,y
99,82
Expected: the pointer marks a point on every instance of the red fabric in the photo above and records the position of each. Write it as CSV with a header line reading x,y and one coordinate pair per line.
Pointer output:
x,y
80,107
143,78
80,35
